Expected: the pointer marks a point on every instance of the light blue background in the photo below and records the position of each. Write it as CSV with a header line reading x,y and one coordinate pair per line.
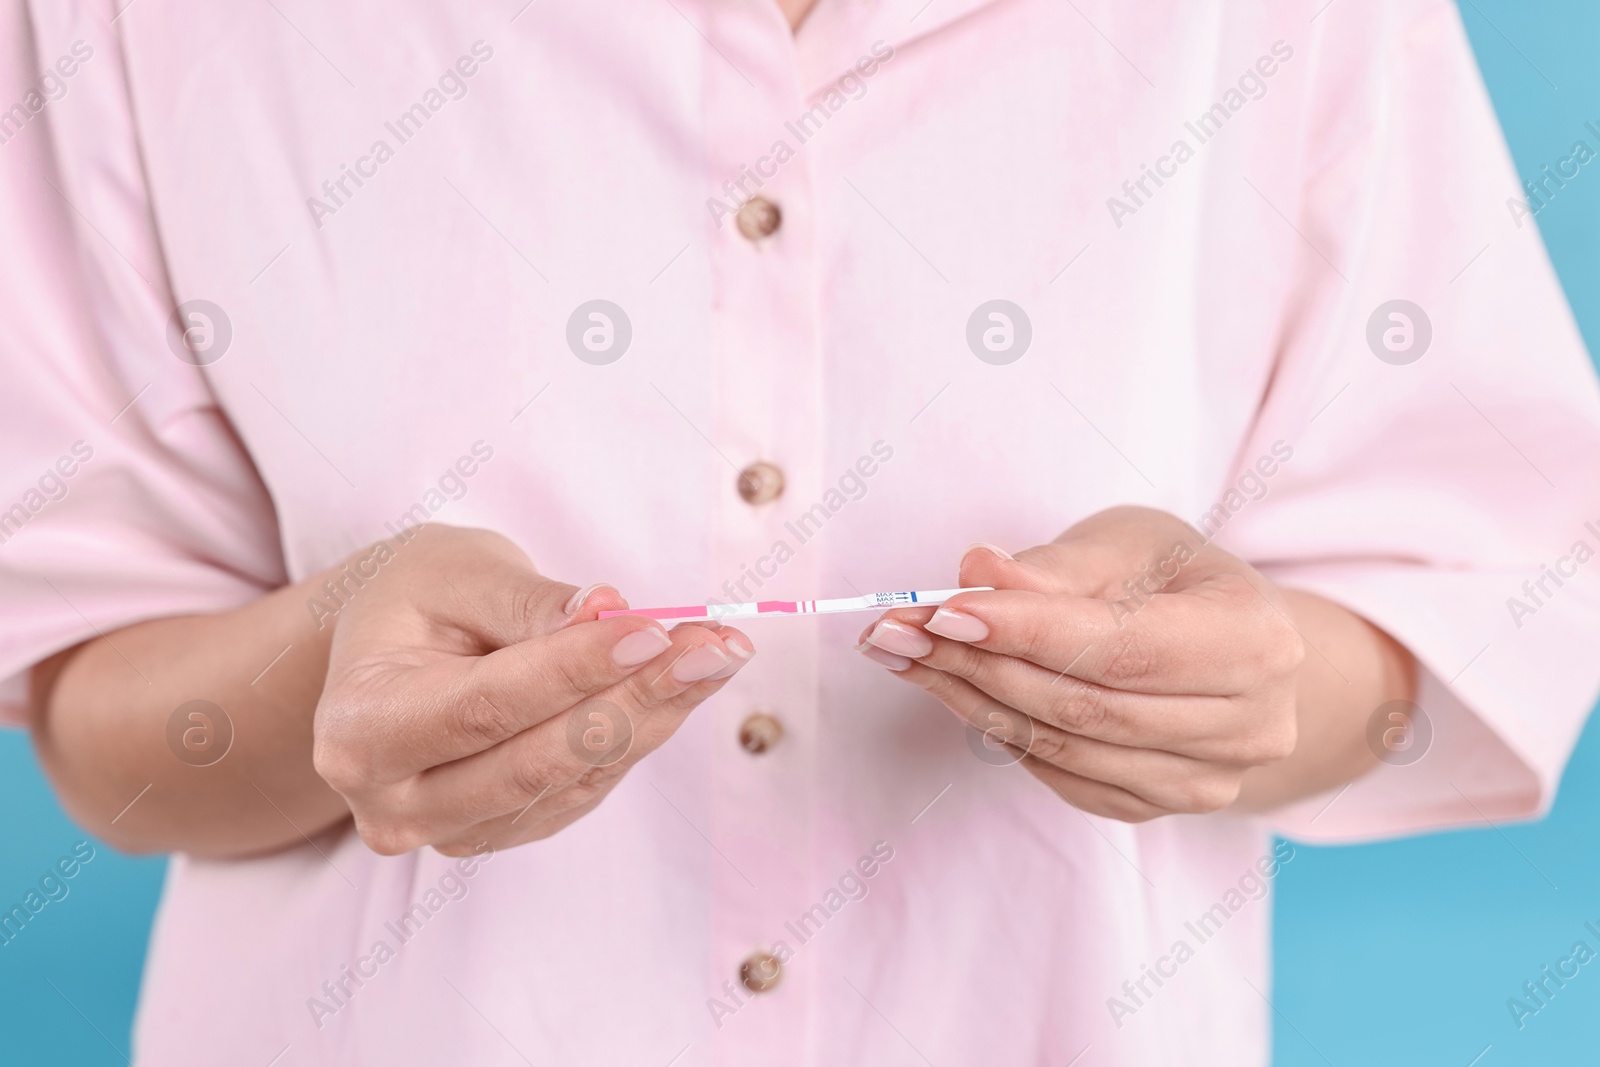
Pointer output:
x,y
1405,953
1400,953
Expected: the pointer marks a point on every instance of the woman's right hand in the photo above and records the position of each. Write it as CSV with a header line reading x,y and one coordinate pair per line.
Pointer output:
x,y
471,700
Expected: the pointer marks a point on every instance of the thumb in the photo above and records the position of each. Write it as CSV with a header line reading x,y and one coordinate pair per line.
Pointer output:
x,y
985,564
1079,567
586,604
498,593
536,606
1095,558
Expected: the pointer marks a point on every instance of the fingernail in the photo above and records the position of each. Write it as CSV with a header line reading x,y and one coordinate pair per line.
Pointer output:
x,y
741,656
882,658
576,602
641,646
900,639
957,626
987,547
702,663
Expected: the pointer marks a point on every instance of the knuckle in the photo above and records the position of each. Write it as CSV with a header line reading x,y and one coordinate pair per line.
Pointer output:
x,y
478,720
525,611
1083,707
1267,742
1239,593
330,765
567,675
346,768
1276,742
961,660
1051,746
1278,645
1207,793
943,686
1035,641
593,784
663,713
388,837
1288,649
1129,660
528,779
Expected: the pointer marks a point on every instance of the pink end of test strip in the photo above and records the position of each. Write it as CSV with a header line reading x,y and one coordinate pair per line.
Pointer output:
x,y
765,608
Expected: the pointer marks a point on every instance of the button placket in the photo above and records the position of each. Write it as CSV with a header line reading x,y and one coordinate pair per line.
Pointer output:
x,y
766,419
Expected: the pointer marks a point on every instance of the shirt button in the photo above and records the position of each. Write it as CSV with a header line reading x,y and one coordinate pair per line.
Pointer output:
x,y
759,733
760,972
760,483
758,217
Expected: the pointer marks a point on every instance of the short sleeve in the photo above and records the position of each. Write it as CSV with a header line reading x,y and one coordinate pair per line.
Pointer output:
x,y
124,493
1442,426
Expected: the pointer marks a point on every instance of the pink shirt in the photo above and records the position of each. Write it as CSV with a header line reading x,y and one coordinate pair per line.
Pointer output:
x,y
403,211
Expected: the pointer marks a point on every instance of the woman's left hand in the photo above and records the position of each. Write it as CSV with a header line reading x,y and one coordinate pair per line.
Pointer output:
x,y
1135,669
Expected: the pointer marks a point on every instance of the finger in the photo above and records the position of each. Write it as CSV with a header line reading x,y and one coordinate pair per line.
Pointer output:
x,y
738,644
1096,798
1118,552
1221,637
1165,780
548,771
449,707
523,685
1202,727
455,706
1121,554
505,607
1141,745
451,589
1095,558
534,823
588,747
585,604
988,565
1172,783
1016,737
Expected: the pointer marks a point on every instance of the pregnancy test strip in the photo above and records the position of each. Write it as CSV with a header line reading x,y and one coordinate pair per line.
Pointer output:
x,y
764,608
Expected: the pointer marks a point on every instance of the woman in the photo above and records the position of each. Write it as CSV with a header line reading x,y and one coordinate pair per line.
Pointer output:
x,y
360,347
